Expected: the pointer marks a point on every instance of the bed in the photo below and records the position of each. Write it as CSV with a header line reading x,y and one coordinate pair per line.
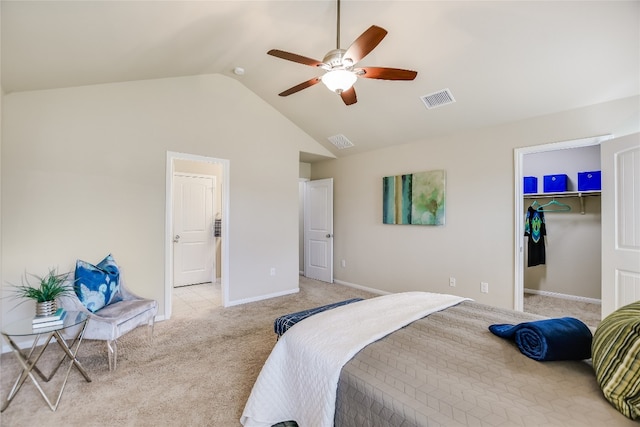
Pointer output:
x,y
447,369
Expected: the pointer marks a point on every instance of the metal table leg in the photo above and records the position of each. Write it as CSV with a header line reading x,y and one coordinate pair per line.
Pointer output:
x,y
29,361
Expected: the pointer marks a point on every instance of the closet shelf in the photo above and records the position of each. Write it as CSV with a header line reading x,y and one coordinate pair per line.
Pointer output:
x,y
579,194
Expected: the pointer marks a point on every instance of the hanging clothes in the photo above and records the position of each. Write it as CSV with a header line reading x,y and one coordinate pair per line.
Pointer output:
x,y
535,228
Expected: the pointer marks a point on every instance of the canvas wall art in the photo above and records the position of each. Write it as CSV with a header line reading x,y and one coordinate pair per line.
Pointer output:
x,y
417,198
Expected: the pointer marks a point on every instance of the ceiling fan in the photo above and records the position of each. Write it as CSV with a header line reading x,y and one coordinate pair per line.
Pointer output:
x,y
339,65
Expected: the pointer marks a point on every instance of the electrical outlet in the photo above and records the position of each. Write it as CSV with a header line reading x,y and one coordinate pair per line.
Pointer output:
x,y
273,271
343,263
452,281
484,287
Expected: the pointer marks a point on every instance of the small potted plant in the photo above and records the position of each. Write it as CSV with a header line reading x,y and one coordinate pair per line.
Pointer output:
x,y
44,293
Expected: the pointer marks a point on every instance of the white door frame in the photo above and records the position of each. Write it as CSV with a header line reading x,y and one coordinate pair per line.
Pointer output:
x,y
168,236
518,160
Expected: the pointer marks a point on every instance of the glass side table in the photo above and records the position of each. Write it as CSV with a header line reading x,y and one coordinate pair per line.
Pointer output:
x,y
28,360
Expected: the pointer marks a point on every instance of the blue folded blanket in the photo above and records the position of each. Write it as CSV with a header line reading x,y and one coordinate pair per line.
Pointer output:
x,y
564,338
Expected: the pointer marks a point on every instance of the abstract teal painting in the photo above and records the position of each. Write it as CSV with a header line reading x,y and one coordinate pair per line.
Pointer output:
x,y
417,198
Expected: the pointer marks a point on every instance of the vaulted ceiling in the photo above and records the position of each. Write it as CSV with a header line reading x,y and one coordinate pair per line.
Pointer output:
x,y
502,61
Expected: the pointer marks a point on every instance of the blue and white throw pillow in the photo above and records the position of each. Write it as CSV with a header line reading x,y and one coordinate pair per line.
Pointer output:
x,y
97,285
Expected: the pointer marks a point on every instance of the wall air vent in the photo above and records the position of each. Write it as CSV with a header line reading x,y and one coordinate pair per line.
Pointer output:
x,y
438,99
340,141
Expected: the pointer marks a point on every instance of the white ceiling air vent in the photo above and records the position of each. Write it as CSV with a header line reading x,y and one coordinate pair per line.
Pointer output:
x,y
438,99
340,141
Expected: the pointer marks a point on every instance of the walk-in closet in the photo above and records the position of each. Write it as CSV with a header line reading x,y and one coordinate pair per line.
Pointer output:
x,y
567,222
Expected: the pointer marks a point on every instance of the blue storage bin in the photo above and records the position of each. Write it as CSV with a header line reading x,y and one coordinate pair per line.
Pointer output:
x,y
555,183
589,181
530,184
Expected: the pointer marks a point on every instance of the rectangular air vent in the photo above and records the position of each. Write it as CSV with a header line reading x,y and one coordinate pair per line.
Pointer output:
x,y
438,99
340,141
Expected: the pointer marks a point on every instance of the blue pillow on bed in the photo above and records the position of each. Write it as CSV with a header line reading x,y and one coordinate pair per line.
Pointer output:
x,y
97,285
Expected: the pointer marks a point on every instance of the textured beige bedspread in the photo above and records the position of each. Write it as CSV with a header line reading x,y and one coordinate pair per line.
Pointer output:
x,y
448,370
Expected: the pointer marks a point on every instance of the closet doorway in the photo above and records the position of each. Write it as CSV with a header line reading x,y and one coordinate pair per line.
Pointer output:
x,y
191,233
560,275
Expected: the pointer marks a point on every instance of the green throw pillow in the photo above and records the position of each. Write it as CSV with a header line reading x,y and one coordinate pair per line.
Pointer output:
x,y
616,359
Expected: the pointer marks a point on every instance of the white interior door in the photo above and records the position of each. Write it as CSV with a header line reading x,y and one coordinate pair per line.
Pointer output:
x,y
318,230
193,244
620,160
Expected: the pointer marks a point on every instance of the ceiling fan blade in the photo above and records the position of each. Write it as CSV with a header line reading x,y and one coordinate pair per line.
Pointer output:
x,y
365,43
294,57
298,88
385,73
349,96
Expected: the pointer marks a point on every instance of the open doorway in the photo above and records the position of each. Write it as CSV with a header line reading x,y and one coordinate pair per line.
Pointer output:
x,y
196,231
571,222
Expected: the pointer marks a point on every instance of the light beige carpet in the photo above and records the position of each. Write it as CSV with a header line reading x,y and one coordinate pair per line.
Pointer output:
x,y
198,371
548,306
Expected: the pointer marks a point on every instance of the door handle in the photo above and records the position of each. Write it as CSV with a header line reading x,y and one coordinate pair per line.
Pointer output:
x,y
176,239
329,235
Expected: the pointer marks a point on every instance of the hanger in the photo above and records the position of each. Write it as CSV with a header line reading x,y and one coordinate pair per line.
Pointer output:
x,y
554,206
535,203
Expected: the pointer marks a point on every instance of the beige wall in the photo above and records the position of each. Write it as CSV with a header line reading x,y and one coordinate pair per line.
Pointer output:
x,y
477,242
83,174
305,170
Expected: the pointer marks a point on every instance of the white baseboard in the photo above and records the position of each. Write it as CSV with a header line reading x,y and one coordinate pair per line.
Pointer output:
x,y
25,343
563,296
362,288
263,297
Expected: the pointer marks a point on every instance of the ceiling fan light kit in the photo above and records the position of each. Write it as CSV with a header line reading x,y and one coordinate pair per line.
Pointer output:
x,y
339,80
340,76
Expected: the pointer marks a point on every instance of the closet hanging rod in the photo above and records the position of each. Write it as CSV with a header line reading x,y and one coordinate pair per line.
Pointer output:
x,y
579,194
561,195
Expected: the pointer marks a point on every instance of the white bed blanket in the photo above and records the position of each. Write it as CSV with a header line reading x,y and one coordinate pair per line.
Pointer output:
x,y
299,380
